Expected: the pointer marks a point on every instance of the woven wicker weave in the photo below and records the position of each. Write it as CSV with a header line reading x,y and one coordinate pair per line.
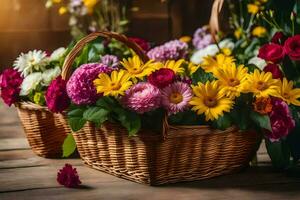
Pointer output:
x,y
181,153
45,131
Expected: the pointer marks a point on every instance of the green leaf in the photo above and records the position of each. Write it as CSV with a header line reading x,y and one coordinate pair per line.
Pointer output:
x,y
262,121
130,120
107,103
75,119
223,122
96,114
241,118
279,153
69,146
201,76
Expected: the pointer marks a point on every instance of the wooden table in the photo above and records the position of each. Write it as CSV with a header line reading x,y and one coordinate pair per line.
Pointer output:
x,y
23,175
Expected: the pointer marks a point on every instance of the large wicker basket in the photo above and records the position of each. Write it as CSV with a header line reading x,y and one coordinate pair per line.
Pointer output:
x,y
45,131
181,153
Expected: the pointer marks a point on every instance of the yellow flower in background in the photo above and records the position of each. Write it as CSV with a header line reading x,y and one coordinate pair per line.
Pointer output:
x,y
185,39
232,79
90,4
226,51
115,84
210,64
137,69
62,10
252,8
176,66
210,100
262,84
259,31
288,94
238,33
56,1
192,68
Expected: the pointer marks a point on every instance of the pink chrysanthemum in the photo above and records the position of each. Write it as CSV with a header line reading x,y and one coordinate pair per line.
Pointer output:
x,y
175,97
80,87
68,177
141,98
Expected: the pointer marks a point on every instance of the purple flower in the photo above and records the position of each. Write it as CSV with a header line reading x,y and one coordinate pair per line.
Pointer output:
x,y
281,120
68,177
80,87
202,38
110,61
172,50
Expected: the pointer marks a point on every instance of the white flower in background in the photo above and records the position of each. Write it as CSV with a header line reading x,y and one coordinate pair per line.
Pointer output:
x,y
32,61
211,50
50,74
260,63
30,83
57,54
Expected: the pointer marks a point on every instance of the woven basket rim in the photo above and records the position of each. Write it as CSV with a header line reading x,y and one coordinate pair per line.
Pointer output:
x,y
30,106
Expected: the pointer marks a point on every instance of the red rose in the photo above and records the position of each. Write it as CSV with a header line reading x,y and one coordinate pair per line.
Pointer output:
x,y
141,42
271,52
275,70
292,47
162,78
278,38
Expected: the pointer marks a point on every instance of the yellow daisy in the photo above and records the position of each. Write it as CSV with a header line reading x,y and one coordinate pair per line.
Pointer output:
x,y
210,100
176,66
210,64
262,84
137,69
288,94
259,31
252,8
192,68
232,79
90,4
115,84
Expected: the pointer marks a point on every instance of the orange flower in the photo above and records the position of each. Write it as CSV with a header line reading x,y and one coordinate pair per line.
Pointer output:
x,y
262,105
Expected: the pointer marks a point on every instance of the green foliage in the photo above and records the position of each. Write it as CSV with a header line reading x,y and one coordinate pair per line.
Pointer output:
x,y
153,120
69,145
75,118
186,118
130,120
279,153
201,76
223,122
97,115
263,121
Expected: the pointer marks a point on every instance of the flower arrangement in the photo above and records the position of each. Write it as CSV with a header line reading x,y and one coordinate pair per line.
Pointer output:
x,y
87,16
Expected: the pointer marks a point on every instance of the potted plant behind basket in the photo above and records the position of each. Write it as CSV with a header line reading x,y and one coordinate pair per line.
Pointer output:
x,y
167,120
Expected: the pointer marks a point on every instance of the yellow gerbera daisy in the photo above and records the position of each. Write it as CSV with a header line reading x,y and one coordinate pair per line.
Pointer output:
x,y
232,79
192,68
210,64
137,69
176,66
210,100
115,84
90,4
262,84
288,94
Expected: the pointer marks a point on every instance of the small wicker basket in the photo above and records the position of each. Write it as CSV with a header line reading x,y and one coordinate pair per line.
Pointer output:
x,y
45,131
181,153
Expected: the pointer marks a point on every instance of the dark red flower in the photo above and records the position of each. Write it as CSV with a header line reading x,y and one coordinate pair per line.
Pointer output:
x,y
292,47
271,52
281,120
10,82
68,177
141,42
275,70
56,95
162,77
278,38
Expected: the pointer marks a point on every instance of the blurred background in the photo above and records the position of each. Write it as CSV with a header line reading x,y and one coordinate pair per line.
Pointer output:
x,y
27,24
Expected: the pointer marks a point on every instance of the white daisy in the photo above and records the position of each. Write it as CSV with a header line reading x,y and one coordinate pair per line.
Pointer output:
x,y
258,62
57,54
30,83
50,74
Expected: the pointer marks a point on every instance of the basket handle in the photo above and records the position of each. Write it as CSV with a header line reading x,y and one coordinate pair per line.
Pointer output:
x,y
67,66
214,23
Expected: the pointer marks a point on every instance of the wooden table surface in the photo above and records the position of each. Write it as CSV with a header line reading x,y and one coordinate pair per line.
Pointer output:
x,y
23,175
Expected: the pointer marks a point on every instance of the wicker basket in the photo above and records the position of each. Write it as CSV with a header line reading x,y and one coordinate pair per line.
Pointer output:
x,y
45,131
181,153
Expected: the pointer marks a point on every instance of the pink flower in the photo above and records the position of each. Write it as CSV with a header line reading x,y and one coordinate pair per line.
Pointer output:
x,y
142,97
10,82
68,177
281,120
275,70
141,42
80,87
292,47
56,96
175,97
162,77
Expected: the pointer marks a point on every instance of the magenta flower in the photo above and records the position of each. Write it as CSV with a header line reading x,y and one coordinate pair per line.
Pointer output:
x,y
56,96
110,61
162,77
275,70
176,97
142,97
281,120
10,82
80,87
68,177
145,45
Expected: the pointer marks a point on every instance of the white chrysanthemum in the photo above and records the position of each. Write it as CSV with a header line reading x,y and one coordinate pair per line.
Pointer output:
x,y
32,61
30,83
210,50
227,43
57,54
260,63
50,74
